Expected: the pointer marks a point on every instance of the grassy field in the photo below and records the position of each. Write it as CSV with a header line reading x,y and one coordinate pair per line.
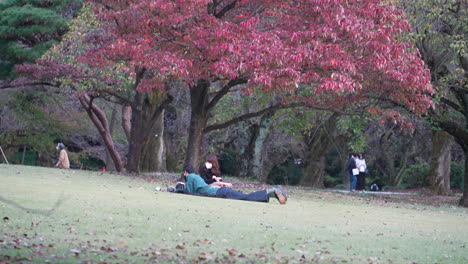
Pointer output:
x,y
69,216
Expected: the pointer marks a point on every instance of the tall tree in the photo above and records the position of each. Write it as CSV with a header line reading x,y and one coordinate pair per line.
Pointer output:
x,y
440,30
346,52
28,28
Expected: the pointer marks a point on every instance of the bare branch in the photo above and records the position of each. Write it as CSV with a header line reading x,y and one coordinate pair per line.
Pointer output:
x,y
223,92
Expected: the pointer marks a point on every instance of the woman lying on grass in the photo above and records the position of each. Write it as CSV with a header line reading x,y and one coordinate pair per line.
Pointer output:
x,y
195,184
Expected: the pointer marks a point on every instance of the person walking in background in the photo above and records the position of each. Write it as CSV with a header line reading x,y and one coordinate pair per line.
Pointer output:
x,y
63,161
352,172
361,177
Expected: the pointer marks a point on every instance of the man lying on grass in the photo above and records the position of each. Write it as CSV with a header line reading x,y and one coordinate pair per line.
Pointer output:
x,y
195,184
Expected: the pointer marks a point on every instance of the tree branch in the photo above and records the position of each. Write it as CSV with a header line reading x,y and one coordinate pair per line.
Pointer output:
x,y
225,9
452,104
223,92
25,86
250,115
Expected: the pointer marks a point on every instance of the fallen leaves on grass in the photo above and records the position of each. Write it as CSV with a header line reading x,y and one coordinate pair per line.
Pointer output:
x,y
180,246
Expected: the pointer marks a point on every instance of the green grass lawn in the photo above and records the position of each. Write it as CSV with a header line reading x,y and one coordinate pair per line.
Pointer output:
x,y
71,216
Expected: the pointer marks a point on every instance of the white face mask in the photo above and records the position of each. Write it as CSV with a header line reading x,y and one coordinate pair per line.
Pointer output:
x,y
208,165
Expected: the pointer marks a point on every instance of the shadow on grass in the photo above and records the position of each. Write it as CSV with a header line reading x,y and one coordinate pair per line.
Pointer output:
x,y
45,212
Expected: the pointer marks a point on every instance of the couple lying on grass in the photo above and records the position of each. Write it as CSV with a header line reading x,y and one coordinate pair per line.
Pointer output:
x,y
195,184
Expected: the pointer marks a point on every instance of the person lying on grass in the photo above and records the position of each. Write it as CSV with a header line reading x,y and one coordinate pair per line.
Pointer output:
x,y
211,174
195,184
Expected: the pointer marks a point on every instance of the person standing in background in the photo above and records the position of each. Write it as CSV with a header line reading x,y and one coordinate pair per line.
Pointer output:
x,y
63,161
361,177
350,166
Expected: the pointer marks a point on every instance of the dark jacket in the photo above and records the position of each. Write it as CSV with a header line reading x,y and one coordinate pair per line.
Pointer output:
x,y
350,164
206,174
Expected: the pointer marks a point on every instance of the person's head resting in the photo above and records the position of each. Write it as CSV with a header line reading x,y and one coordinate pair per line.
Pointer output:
x,y
188,169
60,146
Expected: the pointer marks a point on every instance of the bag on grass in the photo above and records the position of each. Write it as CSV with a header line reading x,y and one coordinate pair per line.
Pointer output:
x,y
180,187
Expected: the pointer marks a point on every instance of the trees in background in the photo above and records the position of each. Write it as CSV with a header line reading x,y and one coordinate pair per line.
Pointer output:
x,y
28,118
350,53
346,57
440,30
30,28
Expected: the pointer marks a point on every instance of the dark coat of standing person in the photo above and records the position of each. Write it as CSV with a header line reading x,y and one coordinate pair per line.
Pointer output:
x,y
350,166
63,161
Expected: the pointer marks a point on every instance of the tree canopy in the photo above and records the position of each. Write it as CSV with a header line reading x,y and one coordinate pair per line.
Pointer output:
x,y
344,51
29,28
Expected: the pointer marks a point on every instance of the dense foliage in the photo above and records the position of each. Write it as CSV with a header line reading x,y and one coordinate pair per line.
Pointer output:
x,y
30,27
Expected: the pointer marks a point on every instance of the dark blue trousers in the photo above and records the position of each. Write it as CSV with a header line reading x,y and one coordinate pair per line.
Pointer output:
x,y
258,196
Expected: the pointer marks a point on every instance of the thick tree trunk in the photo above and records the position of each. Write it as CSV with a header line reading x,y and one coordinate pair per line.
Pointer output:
x,y
245,141
256,163
147,109
137,135
127,120
198,120
99,119
319,146
439,177
251,151
153,152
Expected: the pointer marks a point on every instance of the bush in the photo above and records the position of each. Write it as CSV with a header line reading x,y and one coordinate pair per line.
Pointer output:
x,y
228,163
286,173
416,176
87,161
330,181
333,169
457,175
30,157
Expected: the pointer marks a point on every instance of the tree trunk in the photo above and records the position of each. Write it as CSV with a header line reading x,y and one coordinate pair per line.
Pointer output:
x,y
321,143
110,166
24,155
256,163
99,119
147,109
439,177
245,140
198,120
137,135
127,120
153,152
251,152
